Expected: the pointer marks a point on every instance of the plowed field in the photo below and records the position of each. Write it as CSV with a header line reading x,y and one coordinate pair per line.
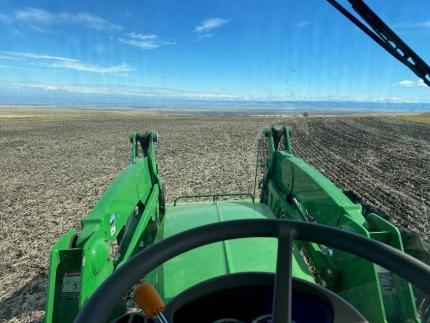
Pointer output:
x,y
53,169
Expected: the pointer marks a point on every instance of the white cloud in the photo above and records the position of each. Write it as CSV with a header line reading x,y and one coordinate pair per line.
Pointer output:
x,y
37,56
405,83
420,83
144,44
78,66
303,23
141,92
142,36
144,41
410,84
210,24
8,57
141,40
35,17
67,63
138,91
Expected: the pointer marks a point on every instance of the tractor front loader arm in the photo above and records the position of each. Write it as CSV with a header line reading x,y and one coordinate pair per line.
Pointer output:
x,y
123,221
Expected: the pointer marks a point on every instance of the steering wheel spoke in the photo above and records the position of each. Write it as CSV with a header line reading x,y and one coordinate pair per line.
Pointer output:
x,y
281,312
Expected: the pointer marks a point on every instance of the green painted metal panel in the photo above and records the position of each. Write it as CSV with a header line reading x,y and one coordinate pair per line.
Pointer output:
x,y
150,213
61,309
311,188
239,255
393,287
118,202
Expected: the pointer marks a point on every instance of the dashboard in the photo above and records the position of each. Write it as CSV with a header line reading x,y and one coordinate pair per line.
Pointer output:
x,y
250,304
247,298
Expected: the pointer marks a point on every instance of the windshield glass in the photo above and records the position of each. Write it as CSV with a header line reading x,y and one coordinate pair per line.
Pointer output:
x,y
287,105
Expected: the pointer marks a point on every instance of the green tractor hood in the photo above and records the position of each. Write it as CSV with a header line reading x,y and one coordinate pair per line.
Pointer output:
x,y
231,256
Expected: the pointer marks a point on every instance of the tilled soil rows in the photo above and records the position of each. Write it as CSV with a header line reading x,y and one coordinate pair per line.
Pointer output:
x,y
53,171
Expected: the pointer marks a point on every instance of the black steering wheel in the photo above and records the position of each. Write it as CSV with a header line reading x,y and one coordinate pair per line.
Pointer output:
x,y
100,305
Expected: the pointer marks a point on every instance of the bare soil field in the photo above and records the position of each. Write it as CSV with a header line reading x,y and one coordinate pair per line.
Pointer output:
x,y
418,117
53,169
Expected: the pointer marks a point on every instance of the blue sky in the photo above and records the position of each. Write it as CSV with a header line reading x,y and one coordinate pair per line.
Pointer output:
x,y
144,51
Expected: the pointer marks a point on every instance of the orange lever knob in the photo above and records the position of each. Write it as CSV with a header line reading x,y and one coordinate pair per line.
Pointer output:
x,y
147,297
